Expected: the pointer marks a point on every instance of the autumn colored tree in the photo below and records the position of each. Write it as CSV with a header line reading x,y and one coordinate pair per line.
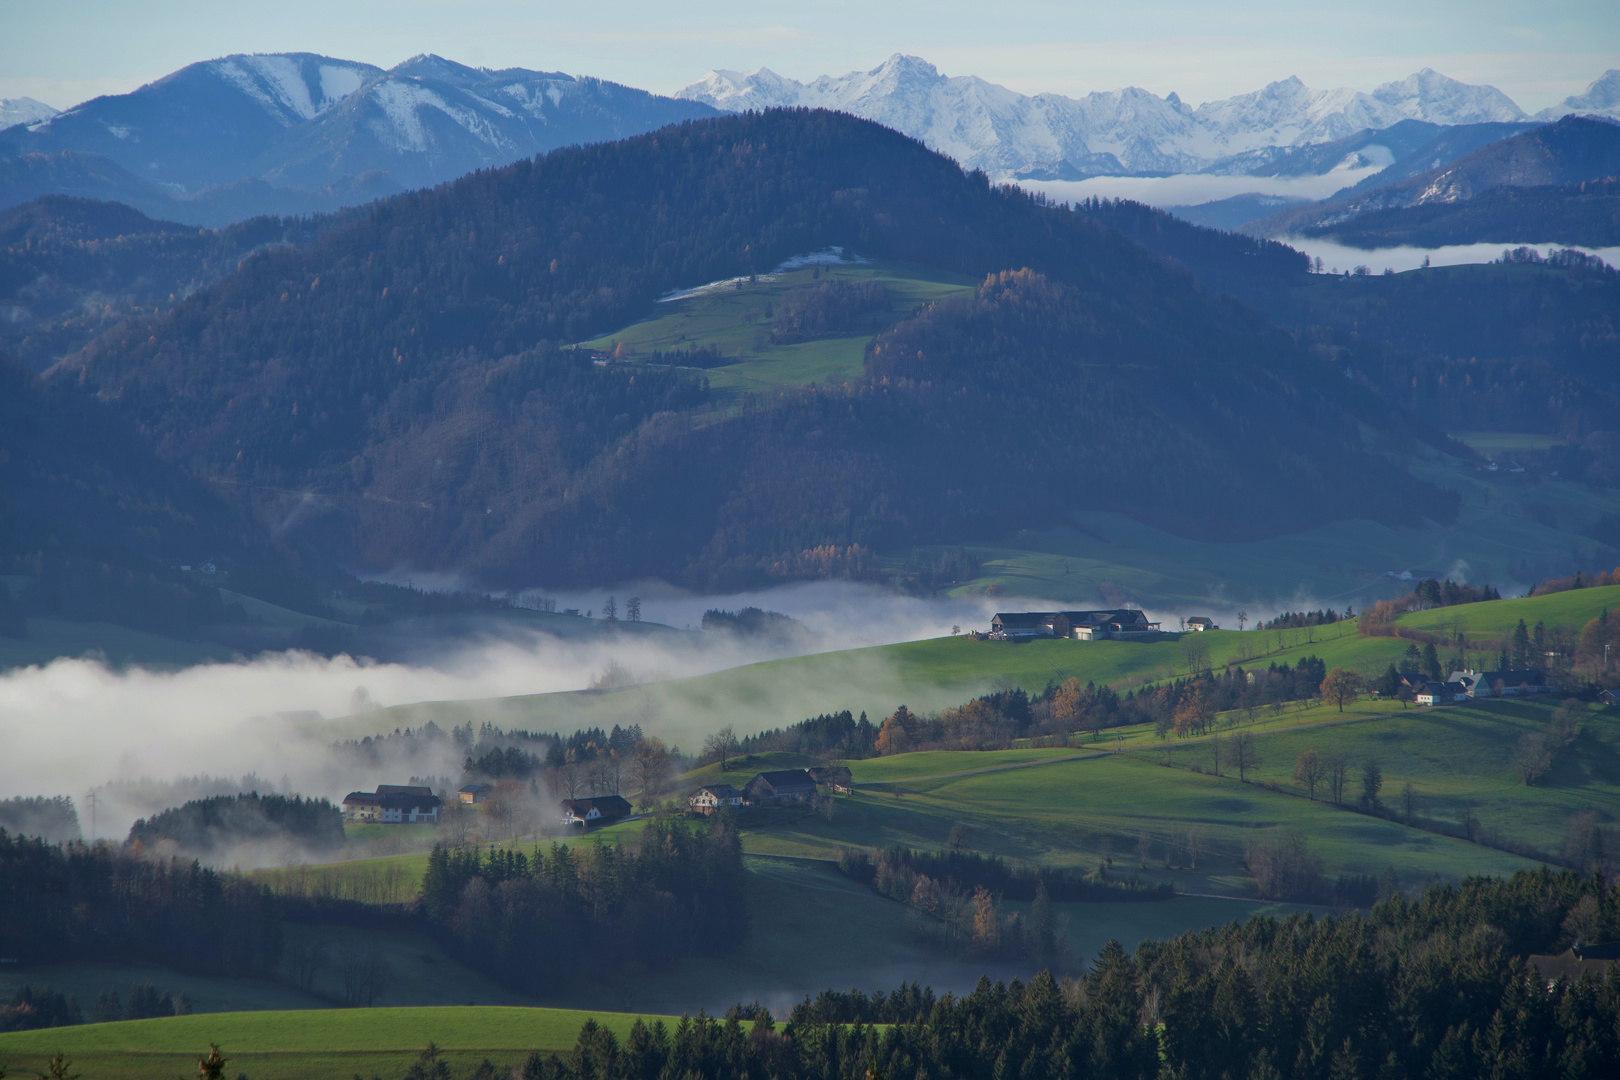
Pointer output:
x,y
1194,714
1341,686
1068,704
897,732
986,922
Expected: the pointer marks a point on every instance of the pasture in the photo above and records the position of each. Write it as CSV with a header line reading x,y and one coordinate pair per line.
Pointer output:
x,y
734,319
309,1044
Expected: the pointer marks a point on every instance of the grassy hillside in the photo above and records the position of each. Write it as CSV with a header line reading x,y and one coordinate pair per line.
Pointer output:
x,y
730,317
1512,529
306,1044
940,672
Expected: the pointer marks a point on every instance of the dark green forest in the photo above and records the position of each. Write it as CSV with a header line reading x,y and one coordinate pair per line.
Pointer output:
x,y
72,268
206,826
1585,214
1436,987
406,366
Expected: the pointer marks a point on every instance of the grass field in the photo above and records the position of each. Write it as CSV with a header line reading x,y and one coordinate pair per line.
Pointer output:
x,y
939,672
117,646
1512,529
306,1044
1501,442
733,320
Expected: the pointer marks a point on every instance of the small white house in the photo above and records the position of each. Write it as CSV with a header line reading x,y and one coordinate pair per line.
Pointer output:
x,y
711,797
602,810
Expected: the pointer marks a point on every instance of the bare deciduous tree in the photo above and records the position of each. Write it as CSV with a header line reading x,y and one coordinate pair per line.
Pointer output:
x,y
1309,770
1337,768
1532,758
721,745
1244,752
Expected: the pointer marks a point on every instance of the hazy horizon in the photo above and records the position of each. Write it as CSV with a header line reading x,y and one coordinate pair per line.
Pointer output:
x,y
1537,54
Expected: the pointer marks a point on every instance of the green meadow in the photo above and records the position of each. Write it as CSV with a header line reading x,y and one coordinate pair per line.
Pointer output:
x,y
733,319
940,672
306,1044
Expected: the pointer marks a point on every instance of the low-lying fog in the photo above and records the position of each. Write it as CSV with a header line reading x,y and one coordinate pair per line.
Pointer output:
x,y
148,739
77,724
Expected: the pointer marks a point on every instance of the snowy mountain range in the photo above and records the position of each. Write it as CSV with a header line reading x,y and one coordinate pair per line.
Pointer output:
x,y
1121,132
23,110
303,122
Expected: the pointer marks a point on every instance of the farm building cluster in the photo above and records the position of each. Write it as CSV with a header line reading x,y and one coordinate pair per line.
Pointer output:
x,y
775,788
1470,685
392,804
396,804
1117,623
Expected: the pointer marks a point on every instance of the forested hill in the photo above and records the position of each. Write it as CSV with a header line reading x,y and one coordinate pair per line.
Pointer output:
x,y
405,367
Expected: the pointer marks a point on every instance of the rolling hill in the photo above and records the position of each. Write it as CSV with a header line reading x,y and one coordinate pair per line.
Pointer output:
x,y
244,135
1570,151
405,368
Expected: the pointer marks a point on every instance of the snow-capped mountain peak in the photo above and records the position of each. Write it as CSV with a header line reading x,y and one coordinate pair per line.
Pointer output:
x,y
23,110
987,126
1602,98
1429,95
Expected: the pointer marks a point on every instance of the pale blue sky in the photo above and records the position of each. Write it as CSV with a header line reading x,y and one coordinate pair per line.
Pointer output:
x,y
63,51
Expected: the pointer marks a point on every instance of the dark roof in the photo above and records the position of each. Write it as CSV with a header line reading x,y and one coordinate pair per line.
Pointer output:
x,y
824,773
785,779
472,788
1512,678
394,797
1571,965
720,791
1022,618
606,805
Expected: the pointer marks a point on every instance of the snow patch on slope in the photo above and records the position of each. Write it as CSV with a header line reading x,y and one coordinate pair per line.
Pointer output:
x,y
338,83
24,110
402,102
286,82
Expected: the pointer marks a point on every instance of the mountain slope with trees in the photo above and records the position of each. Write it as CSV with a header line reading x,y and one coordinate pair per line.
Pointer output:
x,y
406,367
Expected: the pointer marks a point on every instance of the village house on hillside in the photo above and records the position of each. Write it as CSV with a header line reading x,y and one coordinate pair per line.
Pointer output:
x,y
1441,693
392,804
1200,623
710,798
601,810
1078,625
1488,684
472,794
780,786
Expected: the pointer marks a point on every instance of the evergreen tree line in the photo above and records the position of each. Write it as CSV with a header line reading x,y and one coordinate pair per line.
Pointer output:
x,y
74,902
831,735
1436,987
1293,620
204,826
529,920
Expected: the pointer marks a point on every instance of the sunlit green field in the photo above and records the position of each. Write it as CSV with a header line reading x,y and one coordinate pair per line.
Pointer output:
x,y
307,1044
734,320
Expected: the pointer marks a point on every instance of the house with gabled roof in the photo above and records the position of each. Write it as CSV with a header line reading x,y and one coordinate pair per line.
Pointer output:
x,y
711,798
392,804
780,786
599,810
